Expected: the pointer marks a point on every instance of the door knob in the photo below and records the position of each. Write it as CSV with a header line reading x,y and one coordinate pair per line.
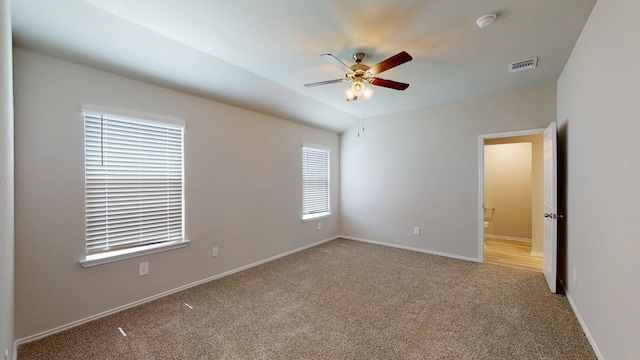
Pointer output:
x,y
547,215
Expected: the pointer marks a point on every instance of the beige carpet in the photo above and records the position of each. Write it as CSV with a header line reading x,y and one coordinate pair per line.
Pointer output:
x,y
341,300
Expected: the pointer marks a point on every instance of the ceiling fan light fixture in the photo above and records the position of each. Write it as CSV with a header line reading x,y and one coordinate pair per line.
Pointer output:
x,y
350,95
360,74
368,93
358,88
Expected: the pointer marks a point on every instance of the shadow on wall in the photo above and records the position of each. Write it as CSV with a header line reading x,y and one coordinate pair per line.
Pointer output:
x,y
563,131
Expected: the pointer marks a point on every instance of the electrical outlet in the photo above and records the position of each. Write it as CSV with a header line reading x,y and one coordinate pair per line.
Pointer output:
x,y
416,230
143,268
214,252
574,274
319,226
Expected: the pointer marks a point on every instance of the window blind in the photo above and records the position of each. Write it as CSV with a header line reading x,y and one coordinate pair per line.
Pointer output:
x,y
133,183
315,181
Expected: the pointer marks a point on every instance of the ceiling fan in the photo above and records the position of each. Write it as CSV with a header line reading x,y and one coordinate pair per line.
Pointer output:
x,y
359,73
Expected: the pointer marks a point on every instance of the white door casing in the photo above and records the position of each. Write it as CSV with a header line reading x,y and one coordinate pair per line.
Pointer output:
x,y
550,156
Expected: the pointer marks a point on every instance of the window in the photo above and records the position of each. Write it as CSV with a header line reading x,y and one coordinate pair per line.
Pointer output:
x,y
315,183
133,186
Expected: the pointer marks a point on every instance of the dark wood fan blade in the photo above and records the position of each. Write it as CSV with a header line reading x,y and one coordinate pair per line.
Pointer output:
x,y
395,60
326,82
389,84
337,62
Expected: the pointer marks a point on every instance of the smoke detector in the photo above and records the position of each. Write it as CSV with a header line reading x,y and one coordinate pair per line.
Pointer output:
x,y
485,21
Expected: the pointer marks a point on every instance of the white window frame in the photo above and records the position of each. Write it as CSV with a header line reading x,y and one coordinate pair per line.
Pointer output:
x,y
131,250
306,215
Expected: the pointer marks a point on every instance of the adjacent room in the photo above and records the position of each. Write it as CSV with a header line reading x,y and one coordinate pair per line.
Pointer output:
x,y
321,180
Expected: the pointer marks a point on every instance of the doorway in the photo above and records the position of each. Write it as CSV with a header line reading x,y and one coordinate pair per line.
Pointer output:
x,y
511,199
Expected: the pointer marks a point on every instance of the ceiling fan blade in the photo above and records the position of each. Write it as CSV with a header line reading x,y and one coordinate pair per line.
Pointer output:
x,y
395,60
337,62
326,82
389,84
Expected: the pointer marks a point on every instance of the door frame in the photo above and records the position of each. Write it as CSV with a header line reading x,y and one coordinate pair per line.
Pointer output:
x,y
481,139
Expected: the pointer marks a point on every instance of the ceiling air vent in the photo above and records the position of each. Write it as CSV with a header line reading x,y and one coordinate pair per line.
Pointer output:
x,y
523,65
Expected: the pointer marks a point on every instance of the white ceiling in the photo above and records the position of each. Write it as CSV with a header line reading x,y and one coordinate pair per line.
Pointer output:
x,y
258,54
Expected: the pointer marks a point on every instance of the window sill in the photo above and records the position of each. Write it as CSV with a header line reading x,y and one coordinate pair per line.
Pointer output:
x,y
318,216
105,258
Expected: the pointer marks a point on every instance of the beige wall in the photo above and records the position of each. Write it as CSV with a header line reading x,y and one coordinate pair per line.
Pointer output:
x,y
598,121
537,187
6,183
242,180
420,168
507,190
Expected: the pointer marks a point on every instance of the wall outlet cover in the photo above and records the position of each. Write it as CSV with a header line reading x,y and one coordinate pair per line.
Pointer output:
x,y
143,268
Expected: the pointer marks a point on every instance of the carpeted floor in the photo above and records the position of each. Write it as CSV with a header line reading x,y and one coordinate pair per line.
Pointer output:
x,y
341,300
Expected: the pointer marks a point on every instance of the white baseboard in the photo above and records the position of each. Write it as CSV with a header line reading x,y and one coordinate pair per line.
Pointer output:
x,y
537,253
503,237
411,248
584,328
68,326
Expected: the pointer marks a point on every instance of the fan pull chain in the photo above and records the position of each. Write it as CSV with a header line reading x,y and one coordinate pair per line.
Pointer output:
x,y
361,116
362,112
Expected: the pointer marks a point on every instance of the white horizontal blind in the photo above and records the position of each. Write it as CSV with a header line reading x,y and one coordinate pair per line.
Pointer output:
x,y
315,181
133,183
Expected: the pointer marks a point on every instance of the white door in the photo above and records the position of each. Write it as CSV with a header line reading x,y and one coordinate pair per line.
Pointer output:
x,y
550,206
